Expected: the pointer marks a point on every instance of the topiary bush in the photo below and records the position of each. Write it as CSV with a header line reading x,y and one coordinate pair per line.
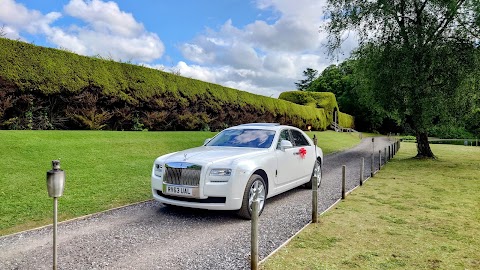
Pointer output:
x,y
324,100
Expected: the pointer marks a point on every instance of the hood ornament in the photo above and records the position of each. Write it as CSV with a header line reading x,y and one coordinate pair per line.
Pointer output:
x,y
184,157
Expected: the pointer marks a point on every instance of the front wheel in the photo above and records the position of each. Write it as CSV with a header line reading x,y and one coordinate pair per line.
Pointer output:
x,y
254,184
316,173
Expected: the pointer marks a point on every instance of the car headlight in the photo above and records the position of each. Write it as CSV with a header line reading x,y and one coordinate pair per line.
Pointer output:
x,y
158,170
221,172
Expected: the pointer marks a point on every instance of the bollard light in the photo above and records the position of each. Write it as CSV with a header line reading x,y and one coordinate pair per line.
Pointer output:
x,y
55,180
55,187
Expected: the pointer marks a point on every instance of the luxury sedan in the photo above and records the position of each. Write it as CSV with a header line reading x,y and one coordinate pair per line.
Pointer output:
x,y
227,171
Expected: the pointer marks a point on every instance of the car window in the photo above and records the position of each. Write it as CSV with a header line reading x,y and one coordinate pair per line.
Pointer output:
x,y
298,138
255,138
284,135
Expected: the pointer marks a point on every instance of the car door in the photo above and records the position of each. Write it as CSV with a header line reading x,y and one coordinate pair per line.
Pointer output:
x,y
290,163
306,154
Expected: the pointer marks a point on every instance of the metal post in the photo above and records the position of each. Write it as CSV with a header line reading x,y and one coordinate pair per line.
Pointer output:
x,y
55,221
315,190
389,153
385,152
371,167
344,168
362,168
315,200
254,233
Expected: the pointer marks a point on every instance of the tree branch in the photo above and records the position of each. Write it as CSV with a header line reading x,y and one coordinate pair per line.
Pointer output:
x,y
449,16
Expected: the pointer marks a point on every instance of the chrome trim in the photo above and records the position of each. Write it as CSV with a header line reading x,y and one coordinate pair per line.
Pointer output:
x,y
182,173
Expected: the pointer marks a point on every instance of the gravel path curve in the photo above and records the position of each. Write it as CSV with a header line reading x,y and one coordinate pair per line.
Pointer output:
x,y
150,236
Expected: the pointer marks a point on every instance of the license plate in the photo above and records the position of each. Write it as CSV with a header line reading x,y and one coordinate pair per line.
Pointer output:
x,y
178,190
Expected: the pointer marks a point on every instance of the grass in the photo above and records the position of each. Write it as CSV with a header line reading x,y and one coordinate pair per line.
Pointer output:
x,y
104,169
331,141
414,214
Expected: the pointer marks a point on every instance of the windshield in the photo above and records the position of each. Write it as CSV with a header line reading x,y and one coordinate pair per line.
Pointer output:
x,y
255,138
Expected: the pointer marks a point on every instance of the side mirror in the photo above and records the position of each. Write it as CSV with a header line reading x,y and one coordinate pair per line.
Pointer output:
x,y
284,144
207,141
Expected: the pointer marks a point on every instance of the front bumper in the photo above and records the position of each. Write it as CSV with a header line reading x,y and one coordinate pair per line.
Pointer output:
x,y
212,196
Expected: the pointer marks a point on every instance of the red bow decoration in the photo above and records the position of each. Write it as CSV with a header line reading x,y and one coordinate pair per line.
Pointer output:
x,y
302,152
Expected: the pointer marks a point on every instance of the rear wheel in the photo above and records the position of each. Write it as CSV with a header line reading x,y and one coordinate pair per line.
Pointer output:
x,y
316,173
254,184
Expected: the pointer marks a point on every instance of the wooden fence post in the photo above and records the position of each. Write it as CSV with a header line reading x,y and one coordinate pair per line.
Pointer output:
x,y
372,169
362,168
379,159
344,168
254,234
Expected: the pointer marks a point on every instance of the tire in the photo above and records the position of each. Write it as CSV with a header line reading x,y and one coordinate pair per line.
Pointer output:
x,y
255,182
317,172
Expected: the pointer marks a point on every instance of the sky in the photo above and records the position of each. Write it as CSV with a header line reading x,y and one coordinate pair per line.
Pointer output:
x,y
259,46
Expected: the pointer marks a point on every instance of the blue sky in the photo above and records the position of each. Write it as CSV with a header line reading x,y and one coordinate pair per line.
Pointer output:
x,y
260,46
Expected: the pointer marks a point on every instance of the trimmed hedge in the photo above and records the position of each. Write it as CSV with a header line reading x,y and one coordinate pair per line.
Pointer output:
x,y
346,120
44,88
324,100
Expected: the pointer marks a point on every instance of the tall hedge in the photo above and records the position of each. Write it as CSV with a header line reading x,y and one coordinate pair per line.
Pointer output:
x,y
44,88
324,100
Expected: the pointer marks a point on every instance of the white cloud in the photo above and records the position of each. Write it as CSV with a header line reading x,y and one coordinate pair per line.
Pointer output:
x,y
16,18
105,17
105,30
109,32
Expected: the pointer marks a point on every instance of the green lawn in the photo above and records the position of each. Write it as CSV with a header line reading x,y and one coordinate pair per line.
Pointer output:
x,y
331,141
414,214
104,169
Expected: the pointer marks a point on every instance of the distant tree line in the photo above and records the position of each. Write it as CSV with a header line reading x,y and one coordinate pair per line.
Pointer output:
x,y
355,98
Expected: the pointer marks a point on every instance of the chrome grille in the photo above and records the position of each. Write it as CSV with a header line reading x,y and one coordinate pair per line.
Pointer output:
x,y
182,173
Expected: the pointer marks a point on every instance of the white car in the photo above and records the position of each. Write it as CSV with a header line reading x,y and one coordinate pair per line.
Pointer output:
x,y
228,169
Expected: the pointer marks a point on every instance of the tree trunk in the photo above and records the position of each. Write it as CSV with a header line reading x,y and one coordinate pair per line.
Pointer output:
x,y
423,147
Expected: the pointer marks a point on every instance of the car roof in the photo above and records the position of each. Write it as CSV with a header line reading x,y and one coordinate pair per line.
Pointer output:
x,y
269,126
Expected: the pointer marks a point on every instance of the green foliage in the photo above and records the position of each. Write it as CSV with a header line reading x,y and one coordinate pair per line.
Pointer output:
x,y
346,120
409,138
311,75
324,100
77,92
450,132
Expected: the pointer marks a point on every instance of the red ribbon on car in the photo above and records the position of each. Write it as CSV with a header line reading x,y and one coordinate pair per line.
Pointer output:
x,y
302,152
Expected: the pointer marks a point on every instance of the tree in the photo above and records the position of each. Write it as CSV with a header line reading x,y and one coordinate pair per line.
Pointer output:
x,y
311,75
414,54
342,80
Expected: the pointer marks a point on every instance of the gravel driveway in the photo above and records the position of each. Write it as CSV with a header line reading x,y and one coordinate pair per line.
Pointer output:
x,y
151,236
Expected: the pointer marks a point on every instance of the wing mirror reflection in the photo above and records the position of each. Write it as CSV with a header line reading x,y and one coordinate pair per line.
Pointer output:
x,y
284,144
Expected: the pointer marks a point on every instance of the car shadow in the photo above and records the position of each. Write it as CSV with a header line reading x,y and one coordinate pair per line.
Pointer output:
x,y
187,213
